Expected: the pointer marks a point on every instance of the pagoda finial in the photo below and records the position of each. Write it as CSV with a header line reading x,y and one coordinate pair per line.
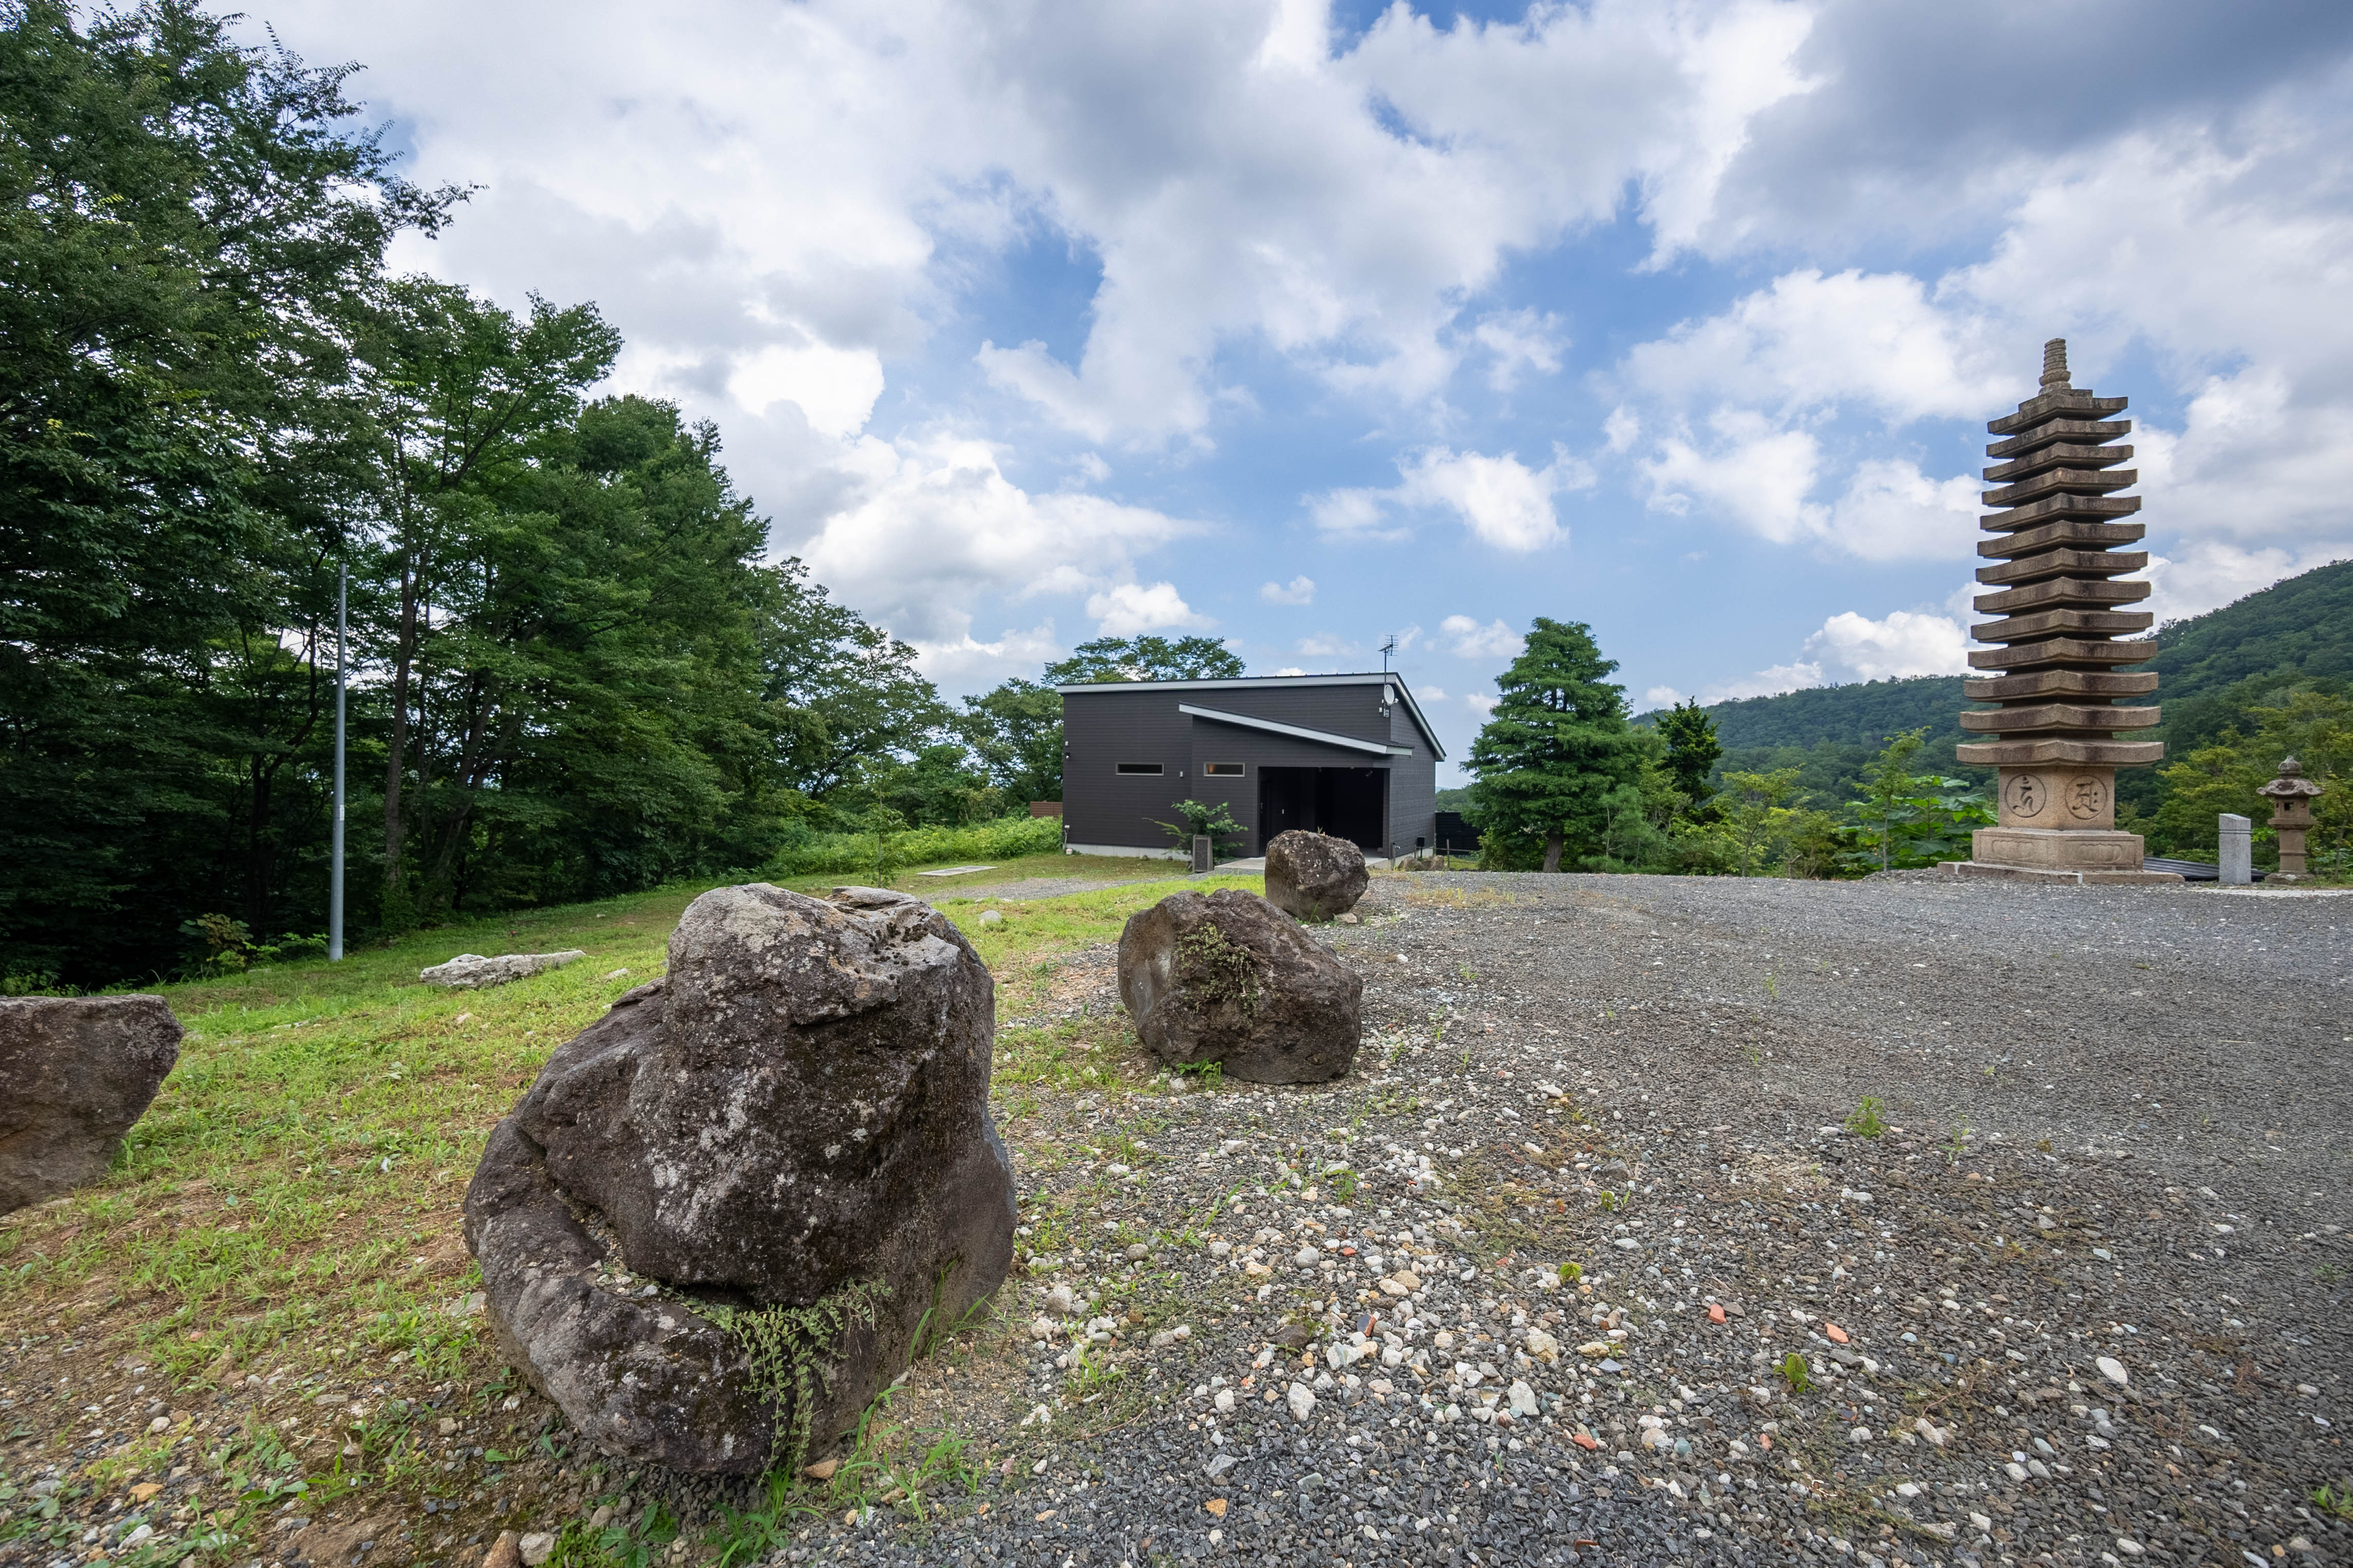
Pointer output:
x,y
2054,363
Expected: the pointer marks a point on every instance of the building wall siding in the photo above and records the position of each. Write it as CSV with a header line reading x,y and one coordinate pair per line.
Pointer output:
x,y
1103,729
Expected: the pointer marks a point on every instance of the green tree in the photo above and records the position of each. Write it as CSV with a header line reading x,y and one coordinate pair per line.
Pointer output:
x,y
1908,819
1555,755
840,693
1145,658
1692,749
1757,816
2305,719
1016,731
188,230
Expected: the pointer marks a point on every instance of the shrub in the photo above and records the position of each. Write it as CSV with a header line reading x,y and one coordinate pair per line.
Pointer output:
x,y
862,854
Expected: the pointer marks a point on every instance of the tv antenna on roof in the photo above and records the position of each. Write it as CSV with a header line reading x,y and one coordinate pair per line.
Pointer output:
x,y
1388,647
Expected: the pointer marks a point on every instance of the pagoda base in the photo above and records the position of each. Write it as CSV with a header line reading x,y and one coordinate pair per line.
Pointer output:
x,y
2057,855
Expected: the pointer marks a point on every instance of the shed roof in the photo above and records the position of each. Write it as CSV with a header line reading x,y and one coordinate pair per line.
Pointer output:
x,y
1249,682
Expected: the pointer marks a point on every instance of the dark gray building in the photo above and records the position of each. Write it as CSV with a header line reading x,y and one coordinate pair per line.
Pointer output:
x,y
1350,756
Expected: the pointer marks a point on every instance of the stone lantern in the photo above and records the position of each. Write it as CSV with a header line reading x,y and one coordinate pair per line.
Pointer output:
x,y
2065,624
2292,795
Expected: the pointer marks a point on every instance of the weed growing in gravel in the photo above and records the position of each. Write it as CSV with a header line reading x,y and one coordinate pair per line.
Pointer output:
x,y
1792,1369
2328,1273
1771,989
748,1535
1866,1121
2336,1501
1204,1075
1570,1273
1959,1144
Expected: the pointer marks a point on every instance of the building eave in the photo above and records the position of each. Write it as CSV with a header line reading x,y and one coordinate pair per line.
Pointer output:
x,y
1297,731
1253,682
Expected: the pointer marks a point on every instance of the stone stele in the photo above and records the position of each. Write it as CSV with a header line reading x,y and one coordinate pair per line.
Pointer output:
x,y
2291,796
472,972
76,1073
2059,674
715,1225
1230,979
1314,875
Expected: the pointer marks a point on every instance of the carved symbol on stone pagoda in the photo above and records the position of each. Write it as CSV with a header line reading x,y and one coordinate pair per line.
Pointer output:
x,y
2087,796
2025,796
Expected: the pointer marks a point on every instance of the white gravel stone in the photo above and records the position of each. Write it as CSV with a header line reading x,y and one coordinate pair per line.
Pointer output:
x,y
2114,1371
1301,1400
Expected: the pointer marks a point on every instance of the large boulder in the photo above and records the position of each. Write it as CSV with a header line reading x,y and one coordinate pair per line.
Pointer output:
x,y
75,1073
1230,979
1314,875
715,1226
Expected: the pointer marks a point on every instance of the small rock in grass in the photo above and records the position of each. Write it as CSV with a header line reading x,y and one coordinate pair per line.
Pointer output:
x,y
615,974
822,1470
472,972
536,1548
506,1551
992,917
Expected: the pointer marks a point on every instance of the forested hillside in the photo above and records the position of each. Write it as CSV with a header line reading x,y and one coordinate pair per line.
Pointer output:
x,y
573,673
2223,671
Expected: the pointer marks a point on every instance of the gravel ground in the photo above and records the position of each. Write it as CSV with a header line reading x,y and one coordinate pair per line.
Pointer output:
x,y
2076,1295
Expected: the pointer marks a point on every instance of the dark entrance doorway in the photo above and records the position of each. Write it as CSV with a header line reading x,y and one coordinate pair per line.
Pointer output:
x,y
1346,803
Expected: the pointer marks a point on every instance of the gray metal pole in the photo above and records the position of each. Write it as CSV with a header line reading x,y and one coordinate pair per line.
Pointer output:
x,y
335,875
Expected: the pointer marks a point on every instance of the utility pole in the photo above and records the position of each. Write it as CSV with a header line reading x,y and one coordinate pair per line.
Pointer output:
x,y
335,873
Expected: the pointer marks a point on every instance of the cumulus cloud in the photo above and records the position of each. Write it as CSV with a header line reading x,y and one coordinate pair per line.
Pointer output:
x,y
1849,647
948,660
1126,609
1466,638
1807,340
930,523
1480,703
1501,500
1324,645
1298,591
1519,342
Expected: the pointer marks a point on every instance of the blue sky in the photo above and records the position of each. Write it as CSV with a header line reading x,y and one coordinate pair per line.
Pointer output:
x,y
1302,325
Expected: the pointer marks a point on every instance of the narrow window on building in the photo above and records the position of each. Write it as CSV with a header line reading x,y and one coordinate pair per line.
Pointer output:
x,y
1222,770
1148,768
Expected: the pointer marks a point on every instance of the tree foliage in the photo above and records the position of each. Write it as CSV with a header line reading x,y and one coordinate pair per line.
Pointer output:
x,y
1145,658
1015,735
1555,762
572,673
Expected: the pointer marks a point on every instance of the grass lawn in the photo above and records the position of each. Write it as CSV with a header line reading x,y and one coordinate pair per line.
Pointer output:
x,y
289,1206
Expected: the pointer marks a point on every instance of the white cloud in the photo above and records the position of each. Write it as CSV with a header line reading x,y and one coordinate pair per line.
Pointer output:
x,y
1468,639
928,525
1291,669
1662,697
1481,704
1807,340
1324,645
1502,500
1520,341
1125,610
835,388
1298,591
948,660
1762,477
1850,646
1434,694
1904,642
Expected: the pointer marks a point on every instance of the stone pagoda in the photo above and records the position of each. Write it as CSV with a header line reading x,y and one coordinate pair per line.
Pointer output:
x,y
2058,674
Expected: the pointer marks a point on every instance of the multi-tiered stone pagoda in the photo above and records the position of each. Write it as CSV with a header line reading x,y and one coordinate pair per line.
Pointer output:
x,y
2058,675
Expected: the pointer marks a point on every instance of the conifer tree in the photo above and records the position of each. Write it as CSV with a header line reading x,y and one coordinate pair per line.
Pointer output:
x,y
1556,750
